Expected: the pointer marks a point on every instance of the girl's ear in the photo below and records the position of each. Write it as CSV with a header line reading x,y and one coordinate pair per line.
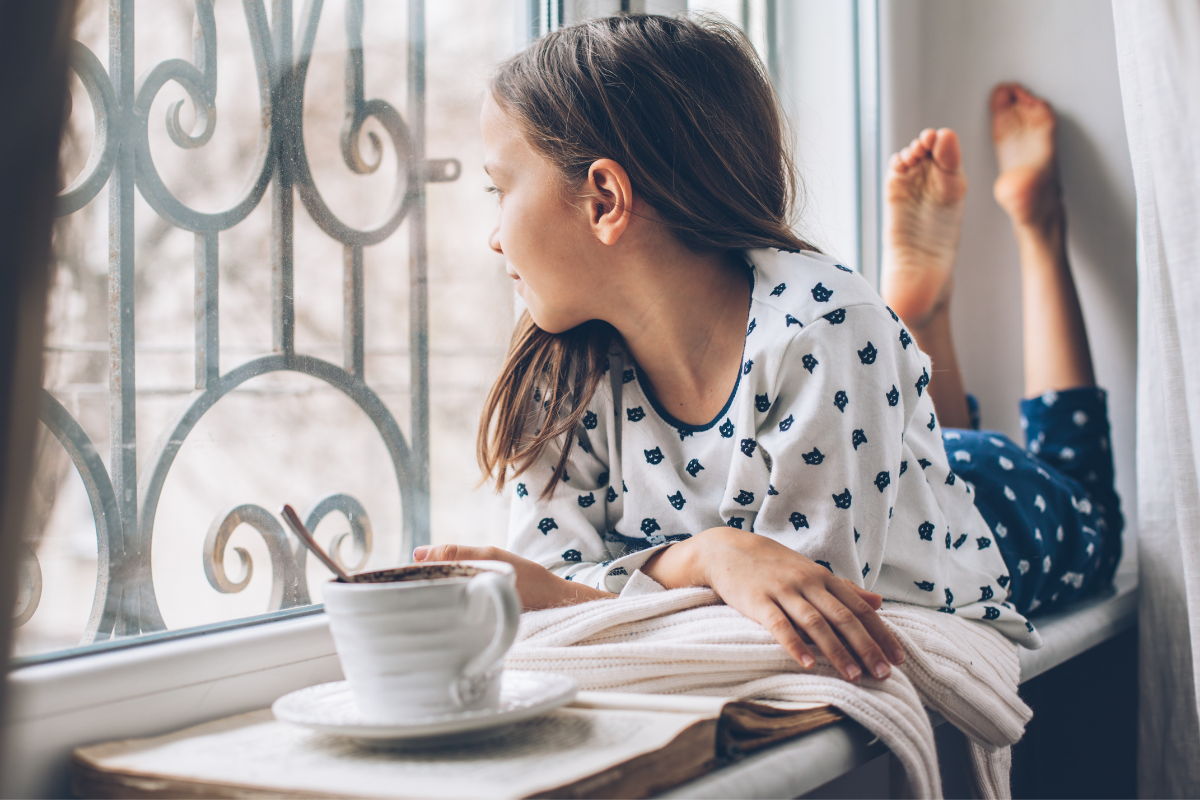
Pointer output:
x,y
609,201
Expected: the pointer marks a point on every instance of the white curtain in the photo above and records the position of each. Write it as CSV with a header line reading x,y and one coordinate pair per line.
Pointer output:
x,y
1158,51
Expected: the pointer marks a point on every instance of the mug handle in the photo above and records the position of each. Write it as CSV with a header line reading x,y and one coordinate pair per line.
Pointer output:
x,y
495,587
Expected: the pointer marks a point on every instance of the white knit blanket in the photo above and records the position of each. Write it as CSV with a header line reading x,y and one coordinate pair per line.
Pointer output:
x,y
685,641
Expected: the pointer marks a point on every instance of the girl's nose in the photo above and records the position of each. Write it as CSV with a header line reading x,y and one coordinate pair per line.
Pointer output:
x,y
494,240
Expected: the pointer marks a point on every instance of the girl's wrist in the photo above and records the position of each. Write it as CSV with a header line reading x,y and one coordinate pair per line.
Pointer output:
x,y
580,593
681,565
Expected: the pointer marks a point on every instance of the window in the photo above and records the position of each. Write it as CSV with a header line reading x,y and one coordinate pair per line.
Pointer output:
x,y
259,301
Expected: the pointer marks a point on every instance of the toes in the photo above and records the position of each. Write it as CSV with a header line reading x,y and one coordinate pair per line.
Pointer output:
x,y
1032,101
939,145
947,153
919,148
1003,96
1025,97
1007,95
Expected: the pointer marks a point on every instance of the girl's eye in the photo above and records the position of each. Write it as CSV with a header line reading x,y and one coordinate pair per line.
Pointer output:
x,y
491,190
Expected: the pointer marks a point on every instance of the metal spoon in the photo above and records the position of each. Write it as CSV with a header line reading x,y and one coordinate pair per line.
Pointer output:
x,y
293,520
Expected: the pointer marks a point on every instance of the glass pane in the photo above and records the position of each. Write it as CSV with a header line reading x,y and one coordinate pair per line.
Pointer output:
x,y
239,344
810,50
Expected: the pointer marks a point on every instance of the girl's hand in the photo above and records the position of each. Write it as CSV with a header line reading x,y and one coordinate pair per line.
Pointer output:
x,y
537,586
786,593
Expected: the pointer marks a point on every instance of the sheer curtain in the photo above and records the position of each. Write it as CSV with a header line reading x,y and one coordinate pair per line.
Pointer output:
x,y
1158,50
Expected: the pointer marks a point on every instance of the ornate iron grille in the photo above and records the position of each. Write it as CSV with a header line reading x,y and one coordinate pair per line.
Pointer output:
x,y
123,505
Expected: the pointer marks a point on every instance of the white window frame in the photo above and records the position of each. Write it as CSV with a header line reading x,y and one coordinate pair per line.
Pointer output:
x,y
153,688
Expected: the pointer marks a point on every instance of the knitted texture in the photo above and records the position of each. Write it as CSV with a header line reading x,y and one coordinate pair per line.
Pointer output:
x,y
687,642
990,771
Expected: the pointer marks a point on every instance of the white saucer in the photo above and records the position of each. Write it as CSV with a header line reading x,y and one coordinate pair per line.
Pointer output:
x,y
330,708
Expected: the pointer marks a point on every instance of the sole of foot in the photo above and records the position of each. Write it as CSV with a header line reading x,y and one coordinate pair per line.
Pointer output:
x,y
1023,127
924,193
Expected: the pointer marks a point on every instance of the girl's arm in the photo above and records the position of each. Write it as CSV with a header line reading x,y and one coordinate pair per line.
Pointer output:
x,y
769,583
787,593
538,587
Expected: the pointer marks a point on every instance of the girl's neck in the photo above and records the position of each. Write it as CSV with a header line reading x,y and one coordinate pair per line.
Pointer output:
x,y
683,319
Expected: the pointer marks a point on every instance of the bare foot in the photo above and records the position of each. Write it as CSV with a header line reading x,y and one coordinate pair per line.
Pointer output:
x,y
923,217
1023,127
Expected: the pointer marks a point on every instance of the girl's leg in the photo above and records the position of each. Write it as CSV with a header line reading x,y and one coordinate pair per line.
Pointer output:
x,y
1055,515
924,199
922,219
1028,189
1069,432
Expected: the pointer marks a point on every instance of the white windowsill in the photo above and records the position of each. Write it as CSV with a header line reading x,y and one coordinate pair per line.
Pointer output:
x,y
796,768
143,691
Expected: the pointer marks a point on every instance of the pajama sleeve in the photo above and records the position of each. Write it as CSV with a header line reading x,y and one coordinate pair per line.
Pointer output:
x,y
832,438
569,532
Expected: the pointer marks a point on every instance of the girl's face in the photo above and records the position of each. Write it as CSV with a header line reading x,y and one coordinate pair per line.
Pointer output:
x,y
542,234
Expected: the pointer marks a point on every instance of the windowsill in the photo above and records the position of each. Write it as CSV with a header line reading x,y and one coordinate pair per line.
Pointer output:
x,y
796,768
142,691
57,706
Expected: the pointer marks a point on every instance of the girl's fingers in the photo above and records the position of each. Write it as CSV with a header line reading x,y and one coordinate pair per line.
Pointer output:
x,y
778,625
881,636
458,552
874,599
842,615
810,620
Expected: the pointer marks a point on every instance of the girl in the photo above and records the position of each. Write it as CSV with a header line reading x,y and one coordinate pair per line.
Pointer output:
x,y
698,394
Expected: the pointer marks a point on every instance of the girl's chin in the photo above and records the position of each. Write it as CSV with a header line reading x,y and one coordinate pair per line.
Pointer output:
x,y
556,328
549,320
550,323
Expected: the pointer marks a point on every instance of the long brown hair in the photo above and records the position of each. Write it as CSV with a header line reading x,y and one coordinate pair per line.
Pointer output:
x,y
685,106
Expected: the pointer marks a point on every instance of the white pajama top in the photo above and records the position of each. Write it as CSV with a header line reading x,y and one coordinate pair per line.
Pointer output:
x,y
829,444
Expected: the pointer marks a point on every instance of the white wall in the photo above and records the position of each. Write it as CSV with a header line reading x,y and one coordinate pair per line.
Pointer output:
x,y
940,59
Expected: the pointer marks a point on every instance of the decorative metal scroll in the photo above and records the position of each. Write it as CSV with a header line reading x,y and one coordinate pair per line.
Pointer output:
x,y
29,586
289,584
124,507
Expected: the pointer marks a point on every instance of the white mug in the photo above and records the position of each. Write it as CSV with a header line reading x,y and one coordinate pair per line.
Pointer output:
x,y
425,640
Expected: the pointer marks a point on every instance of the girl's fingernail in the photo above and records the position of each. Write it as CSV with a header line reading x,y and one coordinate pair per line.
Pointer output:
x,y
807,661
853,673
881,670
897,656
420,553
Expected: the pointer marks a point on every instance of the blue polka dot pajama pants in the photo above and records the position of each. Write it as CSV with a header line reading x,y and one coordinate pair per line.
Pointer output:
x,y
1052,504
